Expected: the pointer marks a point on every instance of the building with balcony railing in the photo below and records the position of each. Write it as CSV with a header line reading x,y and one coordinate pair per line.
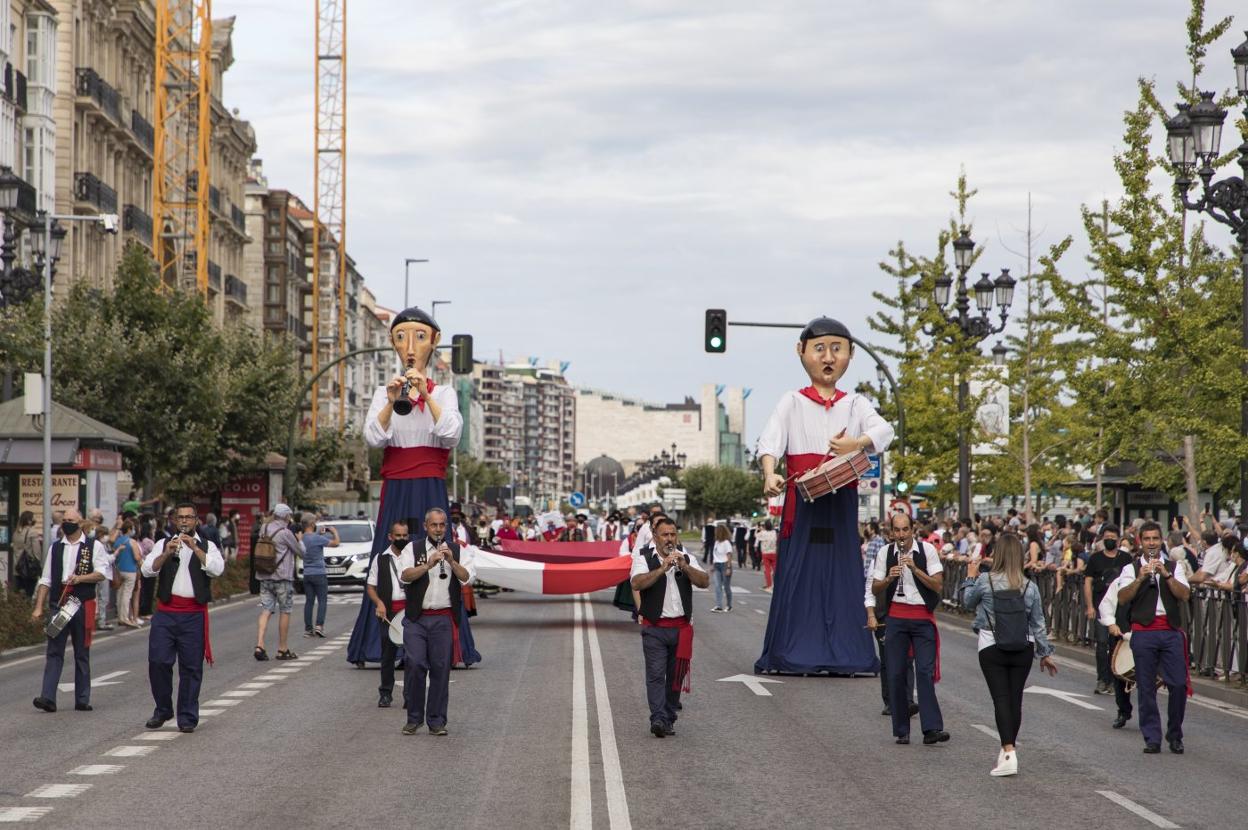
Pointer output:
x,y
138,222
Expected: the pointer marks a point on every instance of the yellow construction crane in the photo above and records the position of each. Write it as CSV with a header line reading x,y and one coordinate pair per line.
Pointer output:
x,y
183,141
329,225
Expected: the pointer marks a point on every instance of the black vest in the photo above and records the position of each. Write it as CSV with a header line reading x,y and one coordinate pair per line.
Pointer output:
x,y
86,550
885,600
387,566
415,591
200,581
1143,608
652,597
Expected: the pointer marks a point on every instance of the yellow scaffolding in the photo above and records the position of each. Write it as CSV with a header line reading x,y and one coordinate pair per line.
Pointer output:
x,y
183,141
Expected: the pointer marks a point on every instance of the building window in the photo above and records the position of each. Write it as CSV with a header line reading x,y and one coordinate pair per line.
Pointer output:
x,y
274,293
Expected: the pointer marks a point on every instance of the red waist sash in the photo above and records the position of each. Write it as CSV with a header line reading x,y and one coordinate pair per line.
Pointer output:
x,y
397,605
1162,623
440,612
414,462
187,605
797,465
684,649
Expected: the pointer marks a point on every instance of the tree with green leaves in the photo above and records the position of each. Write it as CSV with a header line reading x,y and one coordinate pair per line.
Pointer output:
x,y
723,491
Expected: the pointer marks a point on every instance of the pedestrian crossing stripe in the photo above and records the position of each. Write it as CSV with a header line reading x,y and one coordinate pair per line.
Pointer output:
x,y
15,814
59,791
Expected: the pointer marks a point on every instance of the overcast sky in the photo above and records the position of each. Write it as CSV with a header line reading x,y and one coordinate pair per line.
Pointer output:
x,y
588,177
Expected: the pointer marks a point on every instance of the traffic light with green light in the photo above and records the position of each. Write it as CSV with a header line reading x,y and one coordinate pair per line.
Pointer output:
x,y
902,488
716,330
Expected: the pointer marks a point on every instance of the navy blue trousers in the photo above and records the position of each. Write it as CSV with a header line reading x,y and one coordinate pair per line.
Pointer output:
x,y
428,642
658,646
1160,652
899,636
177,636
884,694
76,630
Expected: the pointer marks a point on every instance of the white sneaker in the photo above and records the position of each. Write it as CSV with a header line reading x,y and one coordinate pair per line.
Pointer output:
x,y
1007,764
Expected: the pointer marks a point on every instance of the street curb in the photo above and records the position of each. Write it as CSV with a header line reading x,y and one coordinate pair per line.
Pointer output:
x,y
1203,687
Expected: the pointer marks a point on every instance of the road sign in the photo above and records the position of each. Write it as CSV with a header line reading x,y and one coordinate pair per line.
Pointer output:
x,y
874,472
674,498
577,499
903,505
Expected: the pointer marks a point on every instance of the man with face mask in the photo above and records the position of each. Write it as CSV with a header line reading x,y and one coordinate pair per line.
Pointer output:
x,y
817,621
385,591
75,565
1103,568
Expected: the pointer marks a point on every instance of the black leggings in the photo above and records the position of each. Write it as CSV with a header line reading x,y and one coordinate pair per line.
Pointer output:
x,y
1006,673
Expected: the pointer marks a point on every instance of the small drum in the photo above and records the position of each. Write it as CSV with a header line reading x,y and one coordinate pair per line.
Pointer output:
x,y
61,618
396,629
833,474
1122,664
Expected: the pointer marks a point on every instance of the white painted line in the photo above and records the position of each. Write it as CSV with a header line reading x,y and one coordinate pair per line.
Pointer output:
x,y
987,730
59,791
290,670
97,769
271,677
243,693
102,680
759,611
207,713
754,684
314,658
130,751
255,685
1069,697
156,736
1142,812
582,806
222,702
15,814
613,778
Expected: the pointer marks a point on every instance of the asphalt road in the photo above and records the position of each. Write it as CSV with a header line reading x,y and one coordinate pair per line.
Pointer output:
x,y
551,730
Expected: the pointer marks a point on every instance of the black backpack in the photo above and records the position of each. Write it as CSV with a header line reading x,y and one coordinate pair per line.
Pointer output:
x,y
1008,620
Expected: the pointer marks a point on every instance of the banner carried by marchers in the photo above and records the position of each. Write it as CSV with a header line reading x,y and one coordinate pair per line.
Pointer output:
x,y
551,577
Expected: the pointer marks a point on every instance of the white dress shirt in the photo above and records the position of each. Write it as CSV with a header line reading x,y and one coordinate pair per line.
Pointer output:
x,y
417,428
672,605
69,562
396,586
214,564
1108,609
907,581
438,594
799,426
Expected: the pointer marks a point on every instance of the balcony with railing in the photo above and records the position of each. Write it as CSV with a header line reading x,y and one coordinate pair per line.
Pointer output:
x,y
89,189
143,131
235,289
238,218
214,198
92,88
214,275
136,221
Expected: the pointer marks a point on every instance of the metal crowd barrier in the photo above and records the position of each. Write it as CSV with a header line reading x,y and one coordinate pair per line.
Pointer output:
x,y
1215,621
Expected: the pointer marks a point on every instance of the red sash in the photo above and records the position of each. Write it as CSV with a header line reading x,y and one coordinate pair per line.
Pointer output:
x,y
414,462
89,608
187,605
795,467
684,649
905,611
1162,623
397,605
456,654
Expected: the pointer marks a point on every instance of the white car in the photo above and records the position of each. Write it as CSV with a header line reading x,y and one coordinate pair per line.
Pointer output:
x,y
346,564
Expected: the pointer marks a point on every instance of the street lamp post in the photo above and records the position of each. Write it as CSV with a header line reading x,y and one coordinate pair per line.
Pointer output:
x,y
433,307
1193,136
971,330
407,278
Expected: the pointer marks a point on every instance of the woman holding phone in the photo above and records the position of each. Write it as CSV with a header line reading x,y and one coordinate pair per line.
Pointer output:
x,y
1009,619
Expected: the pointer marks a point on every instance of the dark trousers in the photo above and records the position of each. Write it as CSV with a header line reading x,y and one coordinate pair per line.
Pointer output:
x,y
26,585
899,636
75,630
658,646
1006,673
1160,652
879,643
177,636
428,643
740,554
315,590
706,551
389,652
1104,648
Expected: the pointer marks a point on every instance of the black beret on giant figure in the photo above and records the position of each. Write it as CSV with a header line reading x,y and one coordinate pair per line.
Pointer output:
x,y
824,327
414,315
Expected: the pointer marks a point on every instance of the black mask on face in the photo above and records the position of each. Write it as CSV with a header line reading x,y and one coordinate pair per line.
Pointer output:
x,y
1110,544
69,528
399,542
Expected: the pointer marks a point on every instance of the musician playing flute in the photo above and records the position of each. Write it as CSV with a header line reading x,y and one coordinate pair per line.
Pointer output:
x,y
817,621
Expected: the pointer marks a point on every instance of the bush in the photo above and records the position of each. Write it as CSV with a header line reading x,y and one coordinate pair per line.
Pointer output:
x,y
16,627
232,581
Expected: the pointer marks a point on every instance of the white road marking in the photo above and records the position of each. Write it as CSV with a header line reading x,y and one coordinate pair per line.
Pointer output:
x,y
14,814
1142,812
222,702
59,791
207,713
243,693
287,670
987,730
582,806
157,736
759,611
130,751
97,769
314,658
272,677
102,680
1069,697
754,684
613,778
255,685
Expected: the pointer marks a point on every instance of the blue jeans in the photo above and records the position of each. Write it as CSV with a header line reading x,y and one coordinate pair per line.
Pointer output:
x,y
723,583
315,589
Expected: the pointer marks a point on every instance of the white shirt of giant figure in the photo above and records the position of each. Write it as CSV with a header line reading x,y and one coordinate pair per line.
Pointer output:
x,y
416,429
799,426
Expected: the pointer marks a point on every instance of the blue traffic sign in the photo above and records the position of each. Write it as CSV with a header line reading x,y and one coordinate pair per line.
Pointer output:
x,y
874,472
578,499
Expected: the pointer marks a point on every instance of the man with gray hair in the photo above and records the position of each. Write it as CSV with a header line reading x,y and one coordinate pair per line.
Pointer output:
x,y
277,589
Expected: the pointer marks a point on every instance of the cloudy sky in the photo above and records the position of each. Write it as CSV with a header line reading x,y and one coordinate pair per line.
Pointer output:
x,y
588,177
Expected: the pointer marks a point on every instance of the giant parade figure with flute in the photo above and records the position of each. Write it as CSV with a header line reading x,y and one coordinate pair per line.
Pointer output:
x,y
817,622
417,423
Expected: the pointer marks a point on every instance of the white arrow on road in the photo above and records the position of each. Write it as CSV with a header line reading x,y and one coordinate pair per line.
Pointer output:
x,y
1069,697
754,684
102,680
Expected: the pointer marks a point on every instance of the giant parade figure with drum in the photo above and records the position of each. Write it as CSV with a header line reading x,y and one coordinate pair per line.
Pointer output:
x,y
817,621
417,423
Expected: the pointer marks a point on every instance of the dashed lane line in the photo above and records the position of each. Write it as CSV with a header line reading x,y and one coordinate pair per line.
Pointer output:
x,y
218,702
130,751
59,791
987,730
97,769
241,693
157,736
208,713
254,685
272,677
1143,812
16,814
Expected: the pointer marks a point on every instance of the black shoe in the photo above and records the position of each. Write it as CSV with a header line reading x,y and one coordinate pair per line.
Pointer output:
x,y
904,739
383,702
914,709
187,729
155,722
679,707
46,704
1152,749
658,729
1176,746
669,731
438,730
410,728
935,736
1121,720
83,707
888,713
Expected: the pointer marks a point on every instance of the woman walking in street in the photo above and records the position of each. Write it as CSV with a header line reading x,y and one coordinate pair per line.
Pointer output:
x,y
721,570
1009,618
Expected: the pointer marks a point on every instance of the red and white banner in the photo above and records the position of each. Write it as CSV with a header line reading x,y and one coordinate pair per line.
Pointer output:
x,y
551,578
559,552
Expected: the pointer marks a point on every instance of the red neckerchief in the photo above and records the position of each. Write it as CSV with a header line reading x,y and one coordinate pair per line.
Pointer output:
x,y
418,400
813,394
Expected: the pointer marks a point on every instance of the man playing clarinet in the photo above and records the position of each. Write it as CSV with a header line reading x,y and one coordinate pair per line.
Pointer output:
x,y
817,621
